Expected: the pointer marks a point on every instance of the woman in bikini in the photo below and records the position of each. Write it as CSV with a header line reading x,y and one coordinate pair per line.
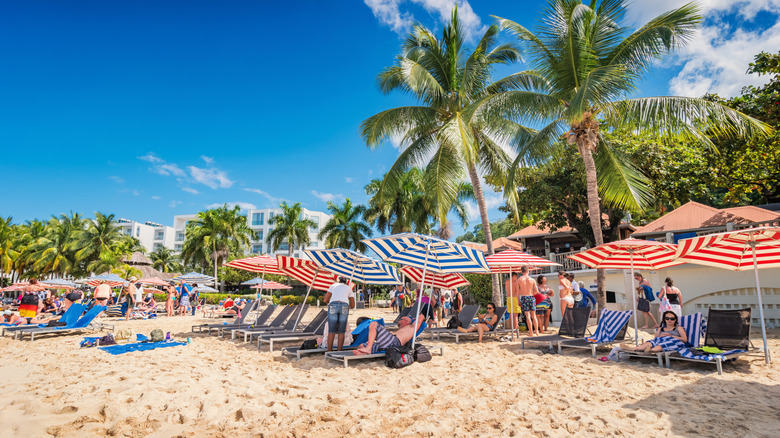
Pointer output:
x,y
671,328
564,292
485,324
171,299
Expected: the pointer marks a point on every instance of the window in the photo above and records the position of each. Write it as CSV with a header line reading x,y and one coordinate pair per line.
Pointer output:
x,y
314,244
258,218
270,216
137,231
284,247
257,249
158,235
128,231
156,246
259,236
180,236
316,226
177,247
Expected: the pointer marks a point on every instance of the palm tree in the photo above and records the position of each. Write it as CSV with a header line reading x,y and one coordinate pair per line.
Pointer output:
x,y
408,207
346,227
585,64
214,234
8,251
451,124
164,260
126,271
290,227
98,238
52,252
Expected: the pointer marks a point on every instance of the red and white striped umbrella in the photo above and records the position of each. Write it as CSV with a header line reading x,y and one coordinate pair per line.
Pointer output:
x,y
629,254
25,286
436,279
307,272
511,260
271,285
741,250
263,263
154,281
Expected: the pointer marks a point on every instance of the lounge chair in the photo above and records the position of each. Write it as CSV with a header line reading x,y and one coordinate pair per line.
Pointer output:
x,y
457,334
261,319
277,323
239,319
692,324
573,326
80,325
466,316
289,327
315,328
346,356
69,318
611,329
727,330
358,338
401,314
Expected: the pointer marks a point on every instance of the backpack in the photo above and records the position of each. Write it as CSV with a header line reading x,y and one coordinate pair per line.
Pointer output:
x,y
399,357
107,340
157,335
421,353
309,344
454,323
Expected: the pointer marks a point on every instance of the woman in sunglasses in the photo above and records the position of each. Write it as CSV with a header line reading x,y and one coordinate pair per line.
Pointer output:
x,y
487,322
670,327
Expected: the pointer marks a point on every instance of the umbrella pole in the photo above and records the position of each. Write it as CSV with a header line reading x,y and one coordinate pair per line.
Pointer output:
x,y
298,319
767,356
633,295
419,303
512,314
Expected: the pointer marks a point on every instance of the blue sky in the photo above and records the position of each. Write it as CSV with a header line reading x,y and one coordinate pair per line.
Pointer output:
x,y
148,109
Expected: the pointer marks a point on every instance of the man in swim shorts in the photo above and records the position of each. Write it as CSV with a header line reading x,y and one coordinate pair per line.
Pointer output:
x,y
527,289
513,302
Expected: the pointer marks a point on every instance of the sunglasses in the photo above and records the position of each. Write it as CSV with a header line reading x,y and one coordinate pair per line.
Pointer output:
x,y
490,308
670,318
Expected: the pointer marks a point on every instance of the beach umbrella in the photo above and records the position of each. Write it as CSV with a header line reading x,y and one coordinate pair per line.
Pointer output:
x,y
428,253
25,286
630,254
194,277
511,261
112,280
446,281
208,289
271,285
262,264
154,281
354,265
741,250
254,281
61,283
308,273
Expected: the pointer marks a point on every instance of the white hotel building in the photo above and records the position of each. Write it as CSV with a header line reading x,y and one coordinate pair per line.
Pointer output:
x,y
153,236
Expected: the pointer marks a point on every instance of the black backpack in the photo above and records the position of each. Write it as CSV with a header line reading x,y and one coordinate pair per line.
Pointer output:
x,y
421,353
399,357
454,323
309,344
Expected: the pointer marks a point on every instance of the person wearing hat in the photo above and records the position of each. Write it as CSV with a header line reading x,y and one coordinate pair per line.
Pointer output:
x,y
10,318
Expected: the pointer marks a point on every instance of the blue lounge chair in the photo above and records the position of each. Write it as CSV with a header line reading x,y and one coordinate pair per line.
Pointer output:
x,y
69,317
80,325
611,329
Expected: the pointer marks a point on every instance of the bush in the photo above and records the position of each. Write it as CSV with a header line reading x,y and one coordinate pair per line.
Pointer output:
x,y
210,298
294,299
481,288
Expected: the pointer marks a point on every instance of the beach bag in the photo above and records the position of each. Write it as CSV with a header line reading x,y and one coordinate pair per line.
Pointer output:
x,y
309,344
124,335
664,306
157,335
421,353
399,357
56,324
454,323
107,340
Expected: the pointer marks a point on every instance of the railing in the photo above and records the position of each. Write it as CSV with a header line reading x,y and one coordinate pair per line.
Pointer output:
x,y
567,264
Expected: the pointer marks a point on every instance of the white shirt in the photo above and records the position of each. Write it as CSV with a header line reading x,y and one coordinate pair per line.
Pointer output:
x,y
340,292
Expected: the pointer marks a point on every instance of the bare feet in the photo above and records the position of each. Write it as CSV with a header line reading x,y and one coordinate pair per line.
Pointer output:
x,y
644,327
462,330
362,351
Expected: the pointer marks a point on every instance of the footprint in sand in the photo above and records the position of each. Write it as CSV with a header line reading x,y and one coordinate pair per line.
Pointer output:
x,y
68,410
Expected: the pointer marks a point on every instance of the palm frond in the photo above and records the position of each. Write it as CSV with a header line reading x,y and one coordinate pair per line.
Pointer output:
x,y
394,122
621,184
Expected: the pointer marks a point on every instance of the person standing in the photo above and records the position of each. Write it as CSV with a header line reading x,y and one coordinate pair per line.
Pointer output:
x,y
436,304
195,298
170,300
527,290
102,294
644,297
673,295
340,299
184,297
457,302
128,298
564,292
513,302
543,302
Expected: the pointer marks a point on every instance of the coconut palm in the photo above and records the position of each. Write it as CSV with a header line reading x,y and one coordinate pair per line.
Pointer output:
x,y
584,67
214,234
408,207
346,227
8,251
97,238
52,253
164,260
126,271
290,227
448,132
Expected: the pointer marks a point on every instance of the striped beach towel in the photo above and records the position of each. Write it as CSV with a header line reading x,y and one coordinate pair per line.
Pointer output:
x,y
671,344
694,326
610,324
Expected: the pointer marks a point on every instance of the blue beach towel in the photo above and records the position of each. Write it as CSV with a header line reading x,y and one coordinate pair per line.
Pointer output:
x,y
360,334
139,346
671,344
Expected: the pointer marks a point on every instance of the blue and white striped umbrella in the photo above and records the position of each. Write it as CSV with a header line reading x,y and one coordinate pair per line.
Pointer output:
x,y
354,265
428,253
194,277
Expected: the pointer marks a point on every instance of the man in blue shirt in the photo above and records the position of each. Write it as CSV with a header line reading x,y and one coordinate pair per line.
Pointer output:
x,y
184,293
586,296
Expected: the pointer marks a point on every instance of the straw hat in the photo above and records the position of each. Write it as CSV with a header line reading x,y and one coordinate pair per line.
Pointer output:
x,y
133,278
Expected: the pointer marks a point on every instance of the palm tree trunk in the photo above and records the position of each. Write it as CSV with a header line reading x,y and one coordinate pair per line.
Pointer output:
x,y
594,210
485,227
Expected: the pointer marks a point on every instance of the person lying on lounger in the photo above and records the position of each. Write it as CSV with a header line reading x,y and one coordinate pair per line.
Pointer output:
x,y
486,322
237,307
670,328
380,339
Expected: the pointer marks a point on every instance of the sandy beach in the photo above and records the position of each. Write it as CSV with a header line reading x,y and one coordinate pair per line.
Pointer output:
x,y
222,388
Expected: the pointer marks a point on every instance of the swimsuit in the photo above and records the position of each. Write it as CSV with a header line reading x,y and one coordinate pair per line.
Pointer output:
x,y
384,340
528,303
485,321
568,299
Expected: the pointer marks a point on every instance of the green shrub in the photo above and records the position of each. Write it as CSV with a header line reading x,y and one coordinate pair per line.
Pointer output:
x,y
294,299
480,289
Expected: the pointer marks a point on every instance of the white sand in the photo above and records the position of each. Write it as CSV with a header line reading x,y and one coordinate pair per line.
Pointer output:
x,y
217,387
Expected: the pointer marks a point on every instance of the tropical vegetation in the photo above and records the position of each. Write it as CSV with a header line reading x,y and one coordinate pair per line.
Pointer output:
x,y
290,228
346,227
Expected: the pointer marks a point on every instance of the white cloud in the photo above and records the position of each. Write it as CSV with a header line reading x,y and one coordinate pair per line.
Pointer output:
x,y
135,192
116,179
347,179
389,13
263,194
190,190
173,204
327,197
210,177
169,169
241,205
716,59
206,159
151,157
156,198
